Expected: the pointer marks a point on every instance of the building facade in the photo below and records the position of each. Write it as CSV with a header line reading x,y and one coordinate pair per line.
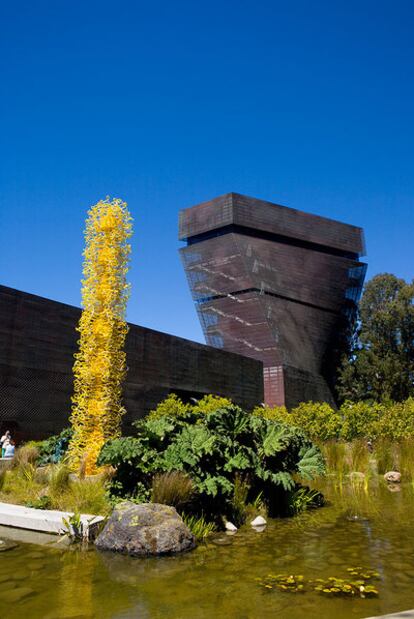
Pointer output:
x,y
38,338
276,284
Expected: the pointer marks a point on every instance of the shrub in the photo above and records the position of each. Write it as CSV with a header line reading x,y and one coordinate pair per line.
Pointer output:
x,y
213,449
210,403
53,449
359,419
317,419
173,488
172,406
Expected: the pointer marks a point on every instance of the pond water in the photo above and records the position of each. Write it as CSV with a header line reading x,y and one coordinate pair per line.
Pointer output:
x,y
373,529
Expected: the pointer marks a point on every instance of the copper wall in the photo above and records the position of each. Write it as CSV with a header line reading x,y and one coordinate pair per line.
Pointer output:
x,y
275,284
37,343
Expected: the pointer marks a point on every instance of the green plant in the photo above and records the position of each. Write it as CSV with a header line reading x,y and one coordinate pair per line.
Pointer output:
x,y
58,478
172,488
239,501
358,456
172,406
87,497
213,449
3,473
42,502
302,498
199,527
385,456
53,449
210,403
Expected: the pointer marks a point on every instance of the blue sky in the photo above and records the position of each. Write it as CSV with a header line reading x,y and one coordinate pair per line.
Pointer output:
x,y
167,104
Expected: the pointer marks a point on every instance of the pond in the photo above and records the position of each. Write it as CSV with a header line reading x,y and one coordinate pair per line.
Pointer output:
x,y
370,528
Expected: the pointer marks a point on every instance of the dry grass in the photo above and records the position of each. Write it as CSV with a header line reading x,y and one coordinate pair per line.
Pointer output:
x,y
25,484
173,488
26,454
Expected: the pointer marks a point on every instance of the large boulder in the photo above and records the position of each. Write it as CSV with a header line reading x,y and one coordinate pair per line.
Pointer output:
x,y
145,530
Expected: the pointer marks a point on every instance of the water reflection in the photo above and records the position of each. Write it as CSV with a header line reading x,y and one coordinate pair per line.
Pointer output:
x,y
369,527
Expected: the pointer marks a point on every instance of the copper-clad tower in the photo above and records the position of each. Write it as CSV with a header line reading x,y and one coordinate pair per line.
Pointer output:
x,y
276,284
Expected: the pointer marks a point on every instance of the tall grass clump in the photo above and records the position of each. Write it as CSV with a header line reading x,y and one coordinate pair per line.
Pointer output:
x,y
406,458
173,488
26,454
58,478
385,454
88,497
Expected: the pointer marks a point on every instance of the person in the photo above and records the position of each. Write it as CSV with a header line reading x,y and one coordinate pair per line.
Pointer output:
x,y
4,441
9,450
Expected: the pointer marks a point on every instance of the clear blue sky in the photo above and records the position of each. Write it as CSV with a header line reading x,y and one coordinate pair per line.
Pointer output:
x,y
166,104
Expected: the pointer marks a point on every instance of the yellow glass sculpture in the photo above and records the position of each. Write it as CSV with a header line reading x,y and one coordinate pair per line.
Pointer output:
x,y
100,364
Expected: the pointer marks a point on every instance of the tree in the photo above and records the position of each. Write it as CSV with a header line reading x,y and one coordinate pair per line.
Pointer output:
x,y
381,364
100,364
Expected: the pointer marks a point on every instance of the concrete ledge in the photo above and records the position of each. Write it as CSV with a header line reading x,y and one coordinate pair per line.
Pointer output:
x,y
405,614
43,520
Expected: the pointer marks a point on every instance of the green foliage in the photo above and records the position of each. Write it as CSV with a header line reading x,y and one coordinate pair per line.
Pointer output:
x,y
359,586
368,420
381,364
214,449
43,502
210,403
172,488
199,527
53,449
3,473
357,417
302,498
58,478
172,406
317,419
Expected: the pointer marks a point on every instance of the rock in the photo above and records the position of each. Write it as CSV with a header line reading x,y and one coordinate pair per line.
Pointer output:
x,y
393,477
7,545
231,527
145,530
258,522
394,487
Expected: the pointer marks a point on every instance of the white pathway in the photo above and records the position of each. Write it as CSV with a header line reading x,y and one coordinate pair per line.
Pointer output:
x,y
44,520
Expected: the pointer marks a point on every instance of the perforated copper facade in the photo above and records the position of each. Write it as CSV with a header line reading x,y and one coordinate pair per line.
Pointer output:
x,y
37,343
275,284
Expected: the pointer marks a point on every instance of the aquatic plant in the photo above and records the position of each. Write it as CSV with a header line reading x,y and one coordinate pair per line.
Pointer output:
x,y
385,456
360,585
302,498
199,527
291,583
100,366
